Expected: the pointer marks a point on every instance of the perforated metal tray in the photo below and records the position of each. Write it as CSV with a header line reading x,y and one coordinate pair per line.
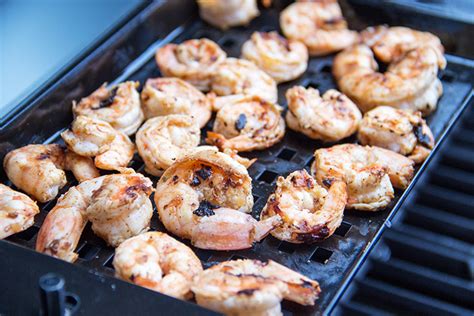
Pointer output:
x,y
128,55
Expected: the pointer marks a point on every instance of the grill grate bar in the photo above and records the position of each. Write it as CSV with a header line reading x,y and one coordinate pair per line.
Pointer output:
x,y
440,221
443,241
426,281
407,300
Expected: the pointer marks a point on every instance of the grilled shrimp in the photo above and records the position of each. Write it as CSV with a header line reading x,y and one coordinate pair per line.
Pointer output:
x,y
118,206
164,139
92,137
118,105
193,60
82,167
391,43
204,197
17,211
247,123
411,82
252,287
319,25
240,76
164,96
331,117
37,170
227,13
159,262
369,172
282,59
402,131
309,212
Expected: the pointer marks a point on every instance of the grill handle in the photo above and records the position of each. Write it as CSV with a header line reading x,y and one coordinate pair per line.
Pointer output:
x,y
54,298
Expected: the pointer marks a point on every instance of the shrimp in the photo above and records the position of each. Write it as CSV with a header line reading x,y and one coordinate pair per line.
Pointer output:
x,y
91,137
164,139
247,123
369,172
37,170
309,212
282,59
118,105
228,13
252,287
411,82
401,131
164,96
193,60
204,197
158,262
118,206
331,117
240,76
391,43
82,167
17,211
319,25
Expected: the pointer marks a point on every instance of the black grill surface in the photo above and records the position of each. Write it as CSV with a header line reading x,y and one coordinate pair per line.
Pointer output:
x,y
424,264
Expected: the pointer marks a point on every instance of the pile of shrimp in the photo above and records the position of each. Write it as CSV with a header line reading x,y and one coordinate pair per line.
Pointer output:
x,y
204,193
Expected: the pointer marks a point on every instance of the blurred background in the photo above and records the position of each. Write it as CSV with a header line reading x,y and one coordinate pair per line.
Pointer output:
x,y
39,37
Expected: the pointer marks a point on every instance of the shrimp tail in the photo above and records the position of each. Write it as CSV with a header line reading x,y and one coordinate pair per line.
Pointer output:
x,y
218,140
264,227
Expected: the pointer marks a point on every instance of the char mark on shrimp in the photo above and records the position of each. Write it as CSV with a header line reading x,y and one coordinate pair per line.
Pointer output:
x,y
423,138
246,292
204,173
205,208
318,234
241,122
107,102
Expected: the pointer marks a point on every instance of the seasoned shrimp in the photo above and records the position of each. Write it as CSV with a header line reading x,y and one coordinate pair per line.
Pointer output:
x,y
91,137
240,76
282,59
164,139
369,172
391,43
319,25
118,206
37,170
227,13
118,105
252,287
402,131
204,197
330,117
193,60
17,211
247,123
164,96
159,262
411,82
82,167
309,212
